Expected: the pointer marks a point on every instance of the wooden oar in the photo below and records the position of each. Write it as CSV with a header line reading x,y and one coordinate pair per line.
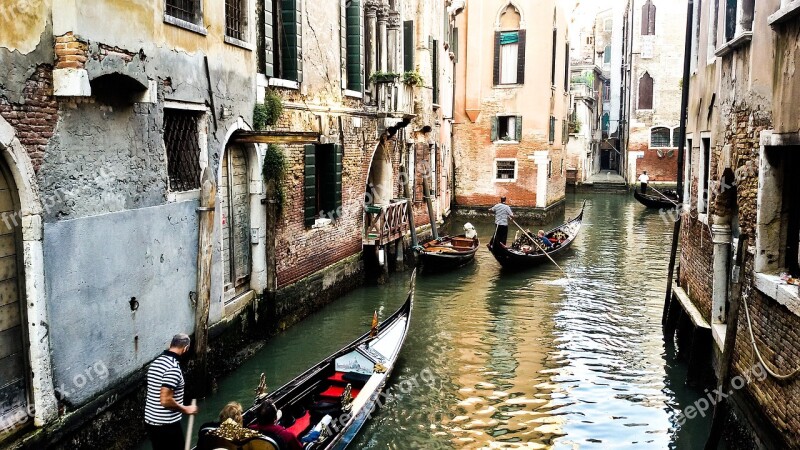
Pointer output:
x,y
540,247
188,444
665,197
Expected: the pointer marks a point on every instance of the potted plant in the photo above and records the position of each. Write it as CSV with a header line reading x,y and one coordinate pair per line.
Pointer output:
x,y
384,77
412,78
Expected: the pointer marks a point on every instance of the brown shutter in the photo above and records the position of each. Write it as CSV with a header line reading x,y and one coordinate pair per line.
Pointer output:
x,y
521,58
646,92
496,58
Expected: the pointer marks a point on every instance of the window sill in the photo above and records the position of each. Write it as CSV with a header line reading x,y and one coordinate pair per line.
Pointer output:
x,y
189,26
773,287
353,94
739,40
322,223
237,43
288,84
785,14
507,86
506,142
175,197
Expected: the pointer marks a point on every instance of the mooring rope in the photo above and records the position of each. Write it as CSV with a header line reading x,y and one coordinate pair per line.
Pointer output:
x,y
769,370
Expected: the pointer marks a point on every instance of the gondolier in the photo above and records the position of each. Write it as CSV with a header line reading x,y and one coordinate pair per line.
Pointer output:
x,y
502,213
164,402
644,179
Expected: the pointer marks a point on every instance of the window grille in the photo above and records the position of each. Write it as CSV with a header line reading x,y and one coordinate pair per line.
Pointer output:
x,y
505,170
234,19
187,10
660,137
182,141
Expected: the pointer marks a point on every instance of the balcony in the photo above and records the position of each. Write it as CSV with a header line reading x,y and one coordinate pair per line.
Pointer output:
x,y
385,223
582,90
394,99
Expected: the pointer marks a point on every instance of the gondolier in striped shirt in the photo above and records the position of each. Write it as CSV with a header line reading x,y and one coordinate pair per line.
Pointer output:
x,y
164,403
502,213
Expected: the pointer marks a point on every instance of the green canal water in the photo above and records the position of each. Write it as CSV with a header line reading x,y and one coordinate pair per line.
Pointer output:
x,y
516,360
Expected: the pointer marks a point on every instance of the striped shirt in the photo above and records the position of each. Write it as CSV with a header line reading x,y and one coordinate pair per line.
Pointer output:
x,y
164,371
501,213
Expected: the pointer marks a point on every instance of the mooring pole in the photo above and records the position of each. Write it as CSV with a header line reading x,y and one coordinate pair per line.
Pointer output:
x,y
208,194
427,189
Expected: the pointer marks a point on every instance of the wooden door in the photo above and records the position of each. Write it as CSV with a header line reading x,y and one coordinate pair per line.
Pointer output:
x,y
235,207
13,356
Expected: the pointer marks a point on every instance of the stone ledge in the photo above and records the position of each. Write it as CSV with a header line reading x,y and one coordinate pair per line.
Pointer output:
x,y
688,306
773,287
785,14
718,331
739,40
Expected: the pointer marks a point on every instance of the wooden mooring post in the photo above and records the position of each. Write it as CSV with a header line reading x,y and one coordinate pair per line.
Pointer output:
x,y
208,194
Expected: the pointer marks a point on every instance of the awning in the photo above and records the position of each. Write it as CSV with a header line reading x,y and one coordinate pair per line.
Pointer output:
x,y
509,37
275,137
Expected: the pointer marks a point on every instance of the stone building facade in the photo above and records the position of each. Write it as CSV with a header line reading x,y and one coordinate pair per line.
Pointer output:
x,y
115,117
511,105
655,35
740,195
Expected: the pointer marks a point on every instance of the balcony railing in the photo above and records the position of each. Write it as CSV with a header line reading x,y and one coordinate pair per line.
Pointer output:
x,y
385,223
395,98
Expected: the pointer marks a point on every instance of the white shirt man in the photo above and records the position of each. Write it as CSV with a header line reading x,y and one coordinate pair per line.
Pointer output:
x,y
644,179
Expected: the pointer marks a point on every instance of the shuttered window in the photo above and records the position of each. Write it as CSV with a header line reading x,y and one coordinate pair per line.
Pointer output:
x,y
435,70
648,18
408,45
509,60
553,58
287,40
322,183
354,29
552,129
607,54
507,128
454,44
646,91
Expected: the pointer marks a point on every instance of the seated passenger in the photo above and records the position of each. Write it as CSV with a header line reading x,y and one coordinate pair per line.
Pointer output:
x,y
546,242
229,426
267,417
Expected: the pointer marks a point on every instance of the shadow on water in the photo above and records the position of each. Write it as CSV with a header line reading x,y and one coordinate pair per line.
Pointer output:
x,y
525,359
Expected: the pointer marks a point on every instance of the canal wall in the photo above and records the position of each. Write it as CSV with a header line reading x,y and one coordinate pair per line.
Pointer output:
x,y
547,215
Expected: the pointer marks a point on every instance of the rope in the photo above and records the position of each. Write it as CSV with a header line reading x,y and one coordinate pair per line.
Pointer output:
x,y
769,370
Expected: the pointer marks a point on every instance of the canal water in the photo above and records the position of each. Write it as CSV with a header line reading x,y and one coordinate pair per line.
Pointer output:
x,y
533,359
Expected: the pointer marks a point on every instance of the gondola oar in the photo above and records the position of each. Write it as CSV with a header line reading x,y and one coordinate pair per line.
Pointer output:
x,y
665,197
540,247
188,443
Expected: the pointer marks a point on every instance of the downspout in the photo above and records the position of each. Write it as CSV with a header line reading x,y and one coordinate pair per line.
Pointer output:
x,y
681,148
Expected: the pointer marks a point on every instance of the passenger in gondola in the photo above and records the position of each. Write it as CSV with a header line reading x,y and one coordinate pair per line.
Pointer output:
x,y
545,241
267,417
229,426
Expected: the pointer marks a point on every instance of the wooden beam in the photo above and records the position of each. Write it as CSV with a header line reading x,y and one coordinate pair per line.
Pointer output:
x,y
275,137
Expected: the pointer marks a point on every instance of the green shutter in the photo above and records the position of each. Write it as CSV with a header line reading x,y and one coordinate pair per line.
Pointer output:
x,y
454,43
343,41
518,122
338,158
495,124
496,68
310,184
355,81
292,40
521,57
435,71
408,45
552,129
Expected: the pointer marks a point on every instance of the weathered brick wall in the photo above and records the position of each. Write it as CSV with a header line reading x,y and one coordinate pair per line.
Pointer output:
x,y
696,261
659,168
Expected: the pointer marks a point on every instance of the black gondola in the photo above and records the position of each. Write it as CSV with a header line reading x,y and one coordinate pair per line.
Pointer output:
x,y
447,253
336,396
523,253
668,200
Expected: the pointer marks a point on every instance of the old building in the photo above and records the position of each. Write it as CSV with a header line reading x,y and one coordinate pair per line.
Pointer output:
x,y
654,33
119,121
511,105
740,192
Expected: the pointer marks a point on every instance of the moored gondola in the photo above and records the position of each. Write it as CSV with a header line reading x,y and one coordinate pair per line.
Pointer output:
x,y
523,253
447,253
327,405
664,200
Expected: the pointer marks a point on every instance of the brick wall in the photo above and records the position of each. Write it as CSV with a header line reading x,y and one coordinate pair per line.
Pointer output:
x,y
696,263
659,168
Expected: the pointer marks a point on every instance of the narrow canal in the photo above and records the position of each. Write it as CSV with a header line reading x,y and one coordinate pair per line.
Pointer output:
x,y
517,360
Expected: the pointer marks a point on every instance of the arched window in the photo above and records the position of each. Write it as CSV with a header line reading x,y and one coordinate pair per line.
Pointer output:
x,y
509,48
660,137
648,18
646,92
676,137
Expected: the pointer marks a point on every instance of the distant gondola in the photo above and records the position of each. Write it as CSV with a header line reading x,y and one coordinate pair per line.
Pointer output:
x,y
447,253
668,200
523,253
330,402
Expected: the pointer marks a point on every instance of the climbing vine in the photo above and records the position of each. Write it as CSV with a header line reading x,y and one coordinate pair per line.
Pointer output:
x,y
268,113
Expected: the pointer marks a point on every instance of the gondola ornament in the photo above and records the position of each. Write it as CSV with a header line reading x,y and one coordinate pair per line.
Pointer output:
x,y
261,390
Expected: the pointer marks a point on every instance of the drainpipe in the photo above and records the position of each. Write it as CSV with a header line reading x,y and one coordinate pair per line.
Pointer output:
x,y
681,148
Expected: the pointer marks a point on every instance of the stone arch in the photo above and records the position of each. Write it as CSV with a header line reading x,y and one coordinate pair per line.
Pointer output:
x,y
257,211
503,9
20,168
380,178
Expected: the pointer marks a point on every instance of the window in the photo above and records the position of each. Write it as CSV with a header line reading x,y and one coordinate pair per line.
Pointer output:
x,y
454,44
607,54
606,123
322,184
566,69
608,25
549,168
552,129
705,171
408,46
607,90
353,48
660,137
646,92
648,18
186,10
553,58
235,19
182,141
687,173
435,71
509,60
676,137
505,169
730,19
507,128
712,27
738,17
284,35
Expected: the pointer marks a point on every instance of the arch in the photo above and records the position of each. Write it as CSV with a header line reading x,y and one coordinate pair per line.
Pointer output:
x,y
503,9
645,92
257,220
21,170
380,178
660,137
648,18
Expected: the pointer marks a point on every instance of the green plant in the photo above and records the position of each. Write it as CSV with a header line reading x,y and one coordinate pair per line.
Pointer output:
x,y
268,113
383,77
412,78
574,126
274,169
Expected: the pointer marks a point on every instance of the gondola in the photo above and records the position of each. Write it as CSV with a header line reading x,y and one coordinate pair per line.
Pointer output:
x,y
668,200
523,253
331,401
447,253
